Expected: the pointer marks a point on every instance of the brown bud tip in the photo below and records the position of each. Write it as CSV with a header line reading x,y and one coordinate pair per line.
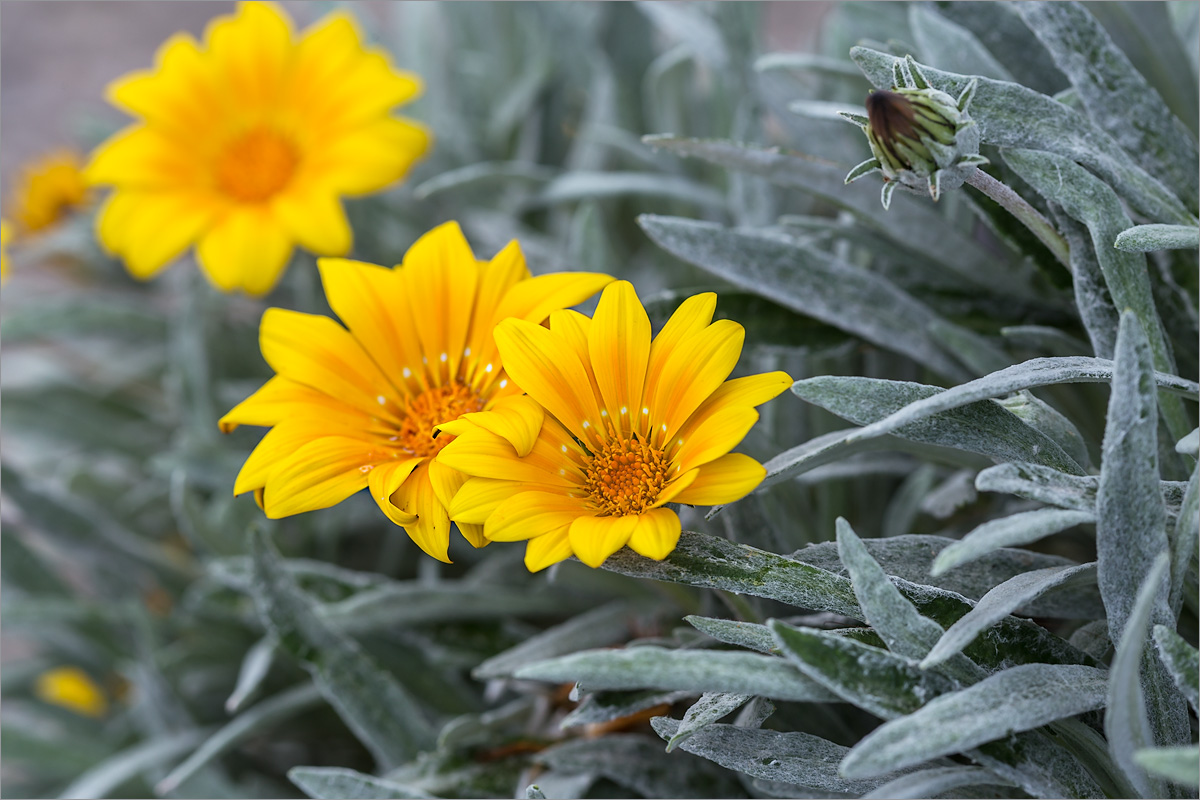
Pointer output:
x,y
890,115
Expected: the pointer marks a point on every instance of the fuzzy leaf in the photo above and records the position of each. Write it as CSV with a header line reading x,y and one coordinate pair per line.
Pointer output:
x,y
710,708
575,186
109,774
984,427
952,46
639,763
1002,601
254,721
1017,699
1012,116
883,683
603,626
1017,529
1184,539
255,666
1147,238
1182,660
1118,99
810,282
1126,725
935,782
693,670
1178,764
372,703
329,783
796,758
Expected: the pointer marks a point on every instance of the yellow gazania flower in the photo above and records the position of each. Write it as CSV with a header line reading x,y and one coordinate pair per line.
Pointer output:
x,y
47,189
246,144
72,689
630,425
354,409
5,238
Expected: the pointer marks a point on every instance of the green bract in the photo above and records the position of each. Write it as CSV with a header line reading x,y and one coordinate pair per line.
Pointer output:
x,y
921,138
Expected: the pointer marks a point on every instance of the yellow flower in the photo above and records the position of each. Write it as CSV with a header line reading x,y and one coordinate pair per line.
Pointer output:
x,y
47,189
71,688
245,145
5,238
356,408
630,425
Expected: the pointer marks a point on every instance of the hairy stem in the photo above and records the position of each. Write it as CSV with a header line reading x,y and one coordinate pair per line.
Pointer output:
x,y
1029,216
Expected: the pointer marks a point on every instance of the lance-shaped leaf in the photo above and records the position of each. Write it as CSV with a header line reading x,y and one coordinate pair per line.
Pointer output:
x,y
934,782
1017,699
1148,238
711,707
892,616
1118,99
716,563
328,783
797,758
694,670
1184,538
1017,529
382,714
603,626
952,46
811,282
1002,601
1126,725
1178,764
1045,485
1012,116
1182,660
984,427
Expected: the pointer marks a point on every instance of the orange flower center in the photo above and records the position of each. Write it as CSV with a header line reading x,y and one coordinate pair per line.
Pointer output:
x,y
626,476
433,407
256,165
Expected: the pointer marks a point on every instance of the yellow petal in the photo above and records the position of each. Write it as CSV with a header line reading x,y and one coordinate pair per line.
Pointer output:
x,y
728,478
532,513
750,391
551,373
669,492
281,443
371,301
518,420
317,352
496,278
573,328
446,482
111,221
178,96
477,498
473,534
247,249
690,319
543,551
144,158
716,436
431,531
656,533
372,156
484,455
440,277
385,479
320,474
593,539
690,372
534,299
280,399
252,50
619,346
314,217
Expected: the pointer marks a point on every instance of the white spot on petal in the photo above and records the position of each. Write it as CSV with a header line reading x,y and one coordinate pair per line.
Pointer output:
x,y
624,410
365,468
564,448
488,368
503,383
586,424
604,412
664,427
645,410
445,358
467,352
424,359
381,399
407,372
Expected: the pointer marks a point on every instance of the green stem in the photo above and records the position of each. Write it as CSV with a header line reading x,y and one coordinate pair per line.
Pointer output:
x,y
1029,216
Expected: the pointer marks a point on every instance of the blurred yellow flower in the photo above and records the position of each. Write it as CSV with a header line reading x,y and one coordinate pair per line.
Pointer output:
x,y
47,189
246,144
629,426
5,238
72,689
356,408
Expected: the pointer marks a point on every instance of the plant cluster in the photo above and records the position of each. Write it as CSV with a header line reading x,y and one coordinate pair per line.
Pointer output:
x,y
958,558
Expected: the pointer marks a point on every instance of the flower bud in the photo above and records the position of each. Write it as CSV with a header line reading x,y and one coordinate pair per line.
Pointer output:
x,y
921,138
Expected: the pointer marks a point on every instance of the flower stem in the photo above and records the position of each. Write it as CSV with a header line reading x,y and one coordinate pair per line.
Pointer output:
x,y
1029,216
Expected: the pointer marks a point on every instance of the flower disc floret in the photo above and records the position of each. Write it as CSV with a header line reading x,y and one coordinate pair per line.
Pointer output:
x,y
626,476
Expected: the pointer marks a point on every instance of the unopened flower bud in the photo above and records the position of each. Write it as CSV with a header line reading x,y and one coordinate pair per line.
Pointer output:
x,y
921,138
